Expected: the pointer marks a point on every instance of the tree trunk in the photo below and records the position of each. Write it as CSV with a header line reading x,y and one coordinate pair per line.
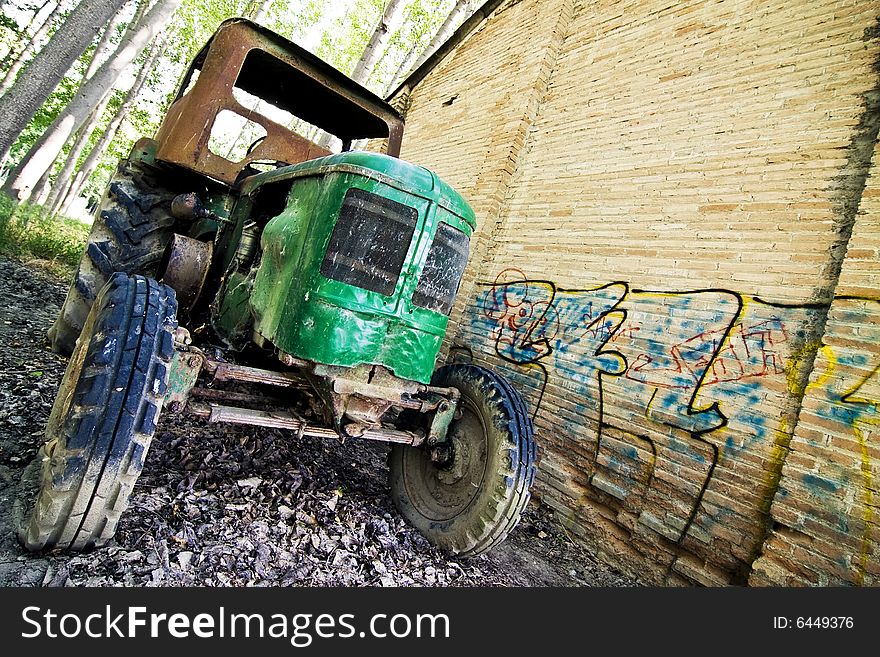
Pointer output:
x,y
65,176
32,44
375,47
260,10
44,152
446,29
37,80
443,32
378,41
104,46
75,184
23,32
405,67
41,190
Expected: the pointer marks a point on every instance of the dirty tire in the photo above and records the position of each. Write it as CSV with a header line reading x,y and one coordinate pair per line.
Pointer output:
x,y
470,505
103,418
129,234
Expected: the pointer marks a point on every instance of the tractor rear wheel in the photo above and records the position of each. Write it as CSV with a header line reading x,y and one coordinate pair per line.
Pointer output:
x,y
103,418
130,232
471,502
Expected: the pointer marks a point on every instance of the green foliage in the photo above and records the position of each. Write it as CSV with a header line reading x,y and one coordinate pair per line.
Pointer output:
x,y
293,19
8,23
345,27
11,35
194,23
343,43
27,234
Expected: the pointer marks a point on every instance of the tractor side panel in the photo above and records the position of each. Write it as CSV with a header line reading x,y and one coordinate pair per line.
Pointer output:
x,y
279,287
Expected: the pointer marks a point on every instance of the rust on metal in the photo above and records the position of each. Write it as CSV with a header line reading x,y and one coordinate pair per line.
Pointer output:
x,y
362,394
232,372
358,402
185,268
190,207
228,396
292,361
285,420
242,55
186,365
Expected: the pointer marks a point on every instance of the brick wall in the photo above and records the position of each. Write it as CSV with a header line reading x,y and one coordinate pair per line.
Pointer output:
x,y
665,195
477,107
825,515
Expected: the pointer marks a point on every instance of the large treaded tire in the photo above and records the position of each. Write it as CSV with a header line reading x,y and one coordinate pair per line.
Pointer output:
x,y
471,504
103,419
130,232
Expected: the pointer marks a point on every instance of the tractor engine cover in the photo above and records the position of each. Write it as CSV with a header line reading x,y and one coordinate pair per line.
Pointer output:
x,y
363,263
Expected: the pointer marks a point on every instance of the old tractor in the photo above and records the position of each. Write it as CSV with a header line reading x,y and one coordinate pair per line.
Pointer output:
x,y
239,272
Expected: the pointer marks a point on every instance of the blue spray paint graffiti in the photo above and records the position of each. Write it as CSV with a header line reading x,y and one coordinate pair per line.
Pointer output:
x,y
656,377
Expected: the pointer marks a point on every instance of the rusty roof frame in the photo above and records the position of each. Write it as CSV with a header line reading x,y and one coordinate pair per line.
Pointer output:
x,y
243,54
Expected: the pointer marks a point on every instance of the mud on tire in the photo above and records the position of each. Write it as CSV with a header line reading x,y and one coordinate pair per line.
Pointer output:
x,y
129,234
103,418
470,504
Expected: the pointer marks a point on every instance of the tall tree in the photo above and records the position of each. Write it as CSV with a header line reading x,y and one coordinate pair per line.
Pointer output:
x,y
422,22
105,45
453,20
34,22
378,41
371,53
258,11
70,188
32,44
36,9
41,189
424,18
37,80
71,119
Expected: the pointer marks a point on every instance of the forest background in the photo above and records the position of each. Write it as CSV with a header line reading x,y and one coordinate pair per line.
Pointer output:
x,y
82,80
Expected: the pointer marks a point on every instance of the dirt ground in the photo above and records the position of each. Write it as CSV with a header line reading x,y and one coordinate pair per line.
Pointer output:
x,y
242,506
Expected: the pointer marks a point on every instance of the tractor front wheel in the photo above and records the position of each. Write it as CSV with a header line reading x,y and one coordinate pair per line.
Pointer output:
x,y
103,418
472,501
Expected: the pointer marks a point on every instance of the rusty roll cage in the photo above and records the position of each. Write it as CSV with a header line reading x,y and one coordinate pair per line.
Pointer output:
x,y
245,55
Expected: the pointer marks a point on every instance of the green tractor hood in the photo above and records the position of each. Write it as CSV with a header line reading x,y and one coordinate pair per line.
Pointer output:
x,y
363,263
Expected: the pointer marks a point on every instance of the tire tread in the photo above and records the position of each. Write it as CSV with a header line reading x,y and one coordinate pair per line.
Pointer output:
x,y
90,466
509,487
129,235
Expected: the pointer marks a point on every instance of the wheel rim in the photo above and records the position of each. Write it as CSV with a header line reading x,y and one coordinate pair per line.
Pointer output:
x,y
442,493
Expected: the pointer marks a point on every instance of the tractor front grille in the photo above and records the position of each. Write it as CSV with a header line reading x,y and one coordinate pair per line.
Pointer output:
x,y
443,270
370,241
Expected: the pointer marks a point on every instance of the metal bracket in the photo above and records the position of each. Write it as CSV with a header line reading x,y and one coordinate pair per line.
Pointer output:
x,y
447,406
186,365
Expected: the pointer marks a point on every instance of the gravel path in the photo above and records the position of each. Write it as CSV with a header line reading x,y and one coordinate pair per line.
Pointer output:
x,y
242,506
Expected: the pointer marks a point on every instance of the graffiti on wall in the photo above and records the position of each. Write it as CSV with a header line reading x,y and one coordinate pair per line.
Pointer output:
x,y
664,384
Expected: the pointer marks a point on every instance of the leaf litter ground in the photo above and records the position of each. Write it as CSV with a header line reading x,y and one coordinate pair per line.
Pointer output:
x,y
221,505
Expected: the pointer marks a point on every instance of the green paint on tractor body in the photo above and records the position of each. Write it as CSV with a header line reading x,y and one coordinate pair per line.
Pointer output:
x,y
362,264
